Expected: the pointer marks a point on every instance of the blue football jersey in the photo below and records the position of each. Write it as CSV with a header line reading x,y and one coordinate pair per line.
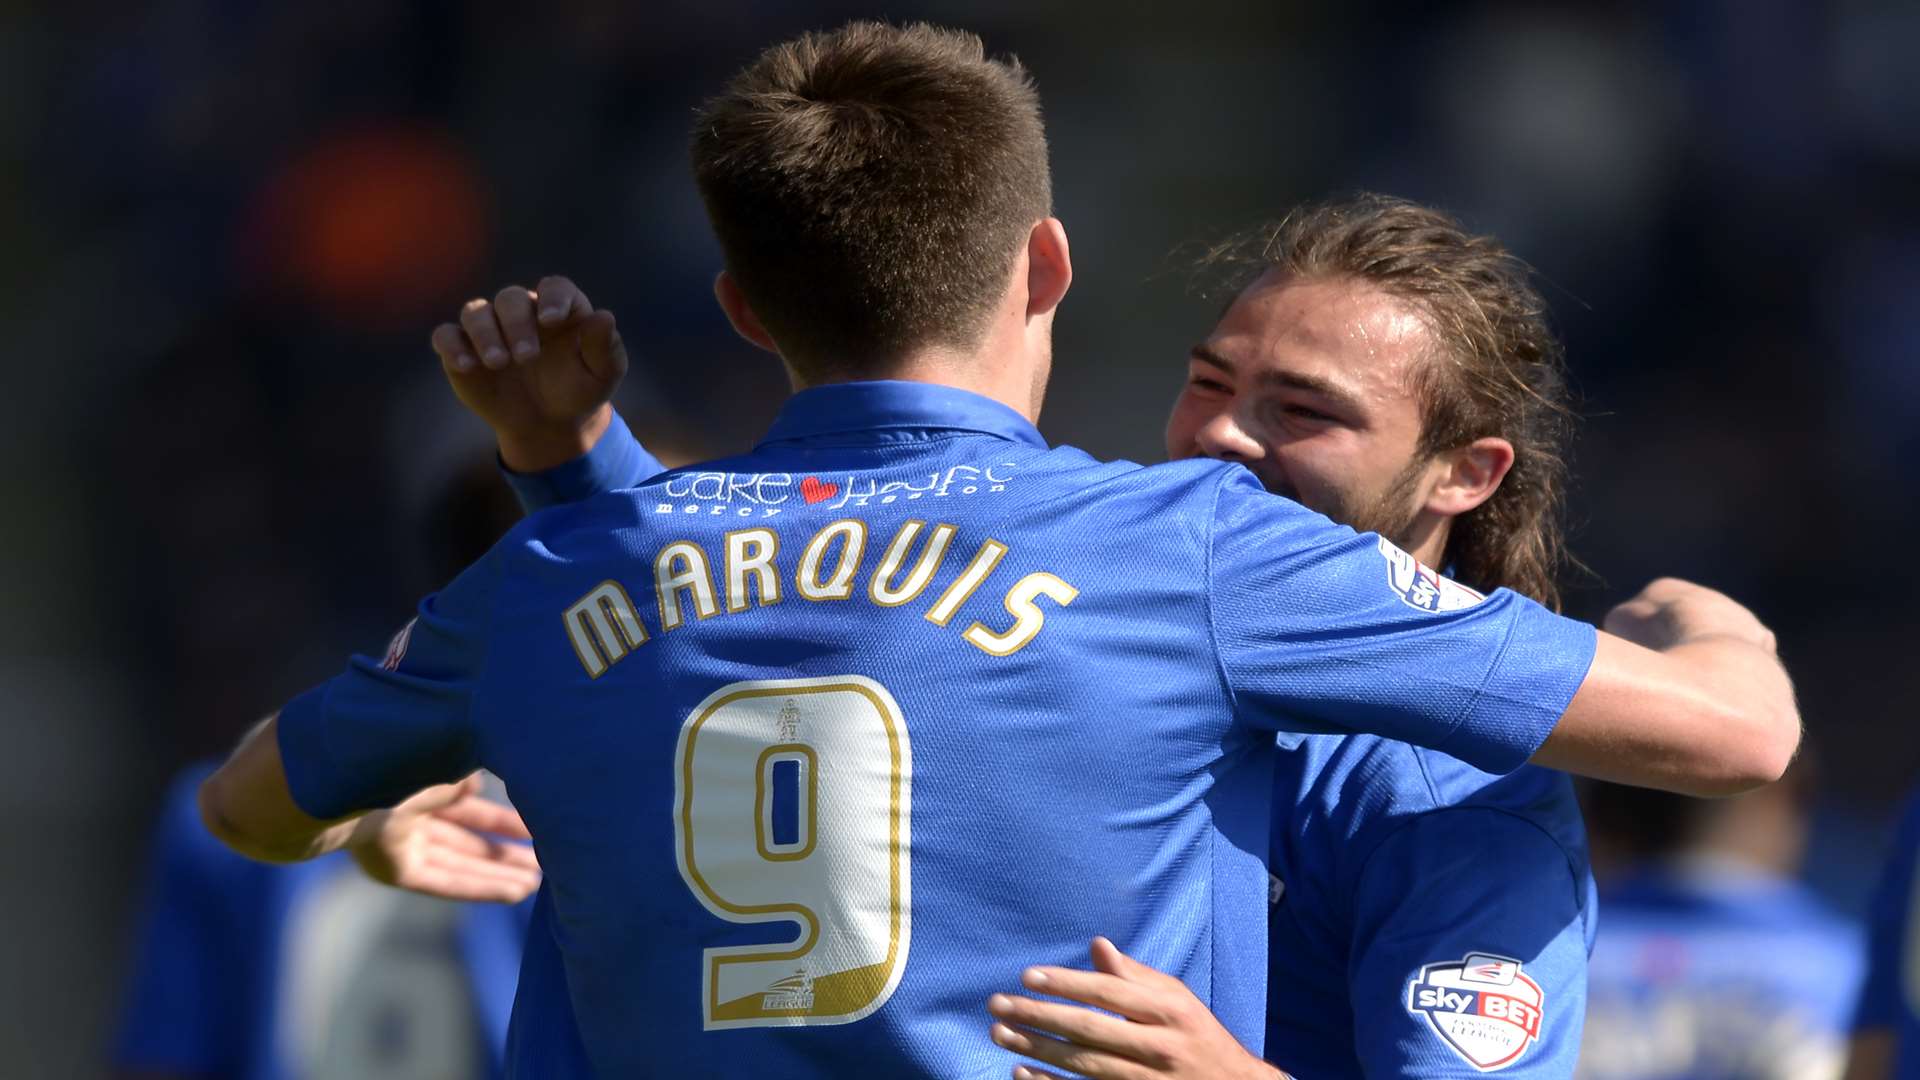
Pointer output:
x,y
1890,997
822,743
1429,919
1715,971
248,971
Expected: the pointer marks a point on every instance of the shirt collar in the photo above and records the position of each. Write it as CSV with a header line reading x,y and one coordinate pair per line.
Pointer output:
x,y
890,405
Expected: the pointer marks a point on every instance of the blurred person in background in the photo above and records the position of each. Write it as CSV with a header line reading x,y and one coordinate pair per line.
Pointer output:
x,y
1886,1019
249,971
1404,882
1713,961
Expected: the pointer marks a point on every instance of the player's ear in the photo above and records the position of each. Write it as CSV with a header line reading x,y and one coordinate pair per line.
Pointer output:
x,y
740,313
1049,267
1471,475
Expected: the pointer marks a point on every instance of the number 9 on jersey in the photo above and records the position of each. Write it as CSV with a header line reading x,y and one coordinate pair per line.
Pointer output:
x,y
792,804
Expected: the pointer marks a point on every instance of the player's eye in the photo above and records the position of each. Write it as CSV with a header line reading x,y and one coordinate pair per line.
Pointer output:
x,y
1208,386
1303,412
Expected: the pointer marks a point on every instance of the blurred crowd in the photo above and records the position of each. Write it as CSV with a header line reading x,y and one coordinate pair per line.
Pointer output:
x,y
231,225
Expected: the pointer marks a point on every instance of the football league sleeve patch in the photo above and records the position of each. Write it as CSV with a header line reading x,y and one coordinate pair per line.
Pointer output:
x,y
1321,628
1469,950
383,729
616,462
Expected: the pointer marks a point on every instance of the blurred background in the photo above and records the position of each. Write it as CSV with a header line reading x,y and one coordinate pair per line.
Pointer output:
x,y
231,224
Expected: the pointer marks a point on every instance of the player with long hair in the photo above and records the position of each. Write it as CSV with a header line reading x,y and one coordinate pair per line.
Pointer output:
x,y
851,699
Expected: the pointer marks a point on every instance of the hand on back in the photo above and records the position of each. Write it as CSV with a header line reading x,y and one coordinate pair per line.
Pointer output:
x,y
1161,1030
447,841
539,366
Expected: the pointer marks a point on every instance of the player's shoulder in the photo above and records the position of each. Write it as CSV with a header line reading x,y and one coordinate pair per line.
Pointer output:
x,y
1195,478
559,533
1203,496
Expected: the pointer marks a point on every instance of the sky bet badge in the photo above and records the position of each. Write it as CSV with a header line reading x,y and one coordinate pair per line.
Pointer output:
x,y
1482,1007
1418,586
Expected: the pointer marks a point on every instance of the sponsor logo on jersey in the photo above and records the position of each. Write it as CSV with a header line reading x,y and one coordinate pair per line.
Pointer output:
x,y
1482,1006
1420,586
765,495
793,992
397,648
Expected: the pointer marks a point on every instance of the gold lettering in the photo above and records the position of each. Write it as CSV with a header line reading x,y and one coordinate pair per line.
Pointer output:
x,y
1027,616
603,627
881,590
692,577
752,551
840,585
984,560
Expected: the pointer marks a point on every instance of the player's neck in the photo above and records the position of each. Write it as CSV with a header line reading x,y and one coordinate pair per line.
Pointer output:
x,y
1010,364
1007,379
1426,540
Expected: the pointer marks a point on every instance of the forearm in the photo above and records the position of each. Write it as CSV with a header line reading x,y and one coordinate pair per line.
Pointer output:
x,y
1712,714
247,806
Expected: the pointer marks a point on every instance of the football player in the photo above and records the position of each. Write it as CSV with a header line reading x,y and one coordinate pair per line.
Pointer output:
x,y
1385,367
853,700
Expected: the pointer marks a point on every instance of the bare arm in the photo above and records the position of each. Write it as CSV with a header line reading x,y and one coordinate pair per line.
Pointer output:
x,y
247,805
1685,694
444,841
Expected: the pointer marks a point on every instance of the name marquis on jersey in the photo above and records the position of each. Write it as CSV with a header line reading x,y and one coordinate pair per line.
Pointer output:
x,y
604,625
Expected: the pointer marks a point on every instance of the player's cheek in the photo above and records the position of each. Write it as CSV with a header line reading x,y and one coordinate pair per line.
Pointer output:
x,y
1183,426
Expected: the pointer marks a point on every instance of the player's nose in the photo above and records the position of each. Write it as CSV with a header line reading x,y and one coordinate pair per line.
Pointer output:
x,y
1222,437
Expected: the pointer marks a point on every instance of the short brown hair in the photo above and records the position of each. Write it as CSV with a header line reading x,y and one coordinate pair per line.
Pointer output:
x,y
1500,369
871,188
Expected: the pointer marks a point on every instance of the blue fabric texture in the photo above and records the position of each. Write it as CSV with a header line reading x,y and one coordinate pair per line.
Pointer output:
x,y
1402,875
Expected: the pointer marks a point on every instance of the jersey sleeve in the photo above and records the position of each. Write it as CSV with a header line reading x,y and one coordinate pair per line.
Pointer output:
x,y
175,1001
383,729
1469,949
1322,629
1893,941
616,462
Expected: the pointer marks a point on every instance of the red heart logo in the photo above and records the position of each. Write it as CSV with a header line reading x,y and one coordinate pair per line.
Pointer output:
x,y
813,489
